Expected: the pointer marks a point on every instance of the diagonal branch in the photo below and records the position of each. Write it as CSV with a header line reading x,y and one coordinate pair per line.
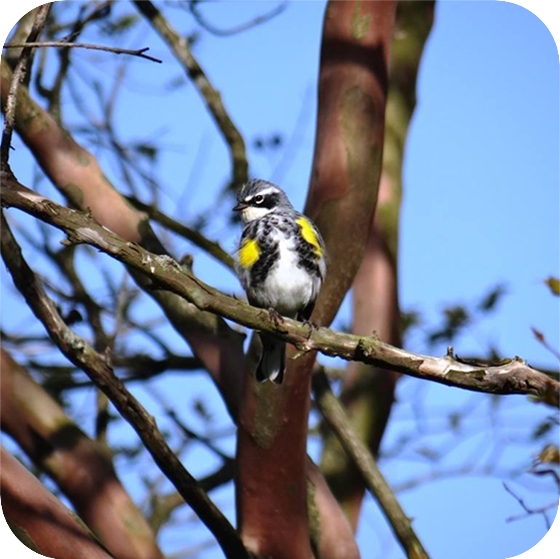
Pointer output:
x,y
213,248
338,421
513,376
180,47
79,352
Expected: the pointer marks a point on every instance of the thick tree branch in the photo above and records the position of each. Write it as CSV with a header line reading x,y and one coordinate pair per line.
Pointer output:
x,y
338,421
368,394
39,519
79,352
512,376
81,467
273,429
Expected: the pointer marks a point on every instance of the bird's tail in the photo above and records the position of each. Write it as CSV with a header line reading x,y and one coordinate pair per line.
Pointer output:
x,y
273,360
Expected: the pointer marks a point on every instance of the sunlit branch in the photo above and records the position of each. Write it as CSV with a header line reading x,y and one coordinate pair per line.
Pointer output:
x,y
512,376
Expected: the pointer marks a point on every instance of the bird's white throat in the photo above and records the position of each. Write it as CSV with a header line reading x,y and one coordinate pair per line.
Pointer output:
x,y
251,213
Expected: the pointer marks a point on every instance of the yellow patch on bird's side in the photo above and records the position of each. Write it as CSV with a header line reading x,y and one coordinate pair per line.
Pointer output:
x,y
249,253
309,234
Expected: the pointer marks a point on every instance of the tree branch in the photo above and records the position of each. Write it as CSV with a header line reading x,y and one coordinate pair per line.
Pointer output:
x,y
39,519
511,376
213,248
193,7
368,394
65,45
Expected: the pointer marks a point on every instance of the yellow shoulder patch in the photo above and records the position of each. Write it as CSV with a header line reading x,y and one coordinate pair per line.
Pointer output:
x,y
249,253
309,234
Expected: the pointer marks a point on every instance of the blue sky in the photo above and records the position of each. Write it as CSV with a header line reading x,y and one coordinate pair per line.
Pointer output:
x,y
481,208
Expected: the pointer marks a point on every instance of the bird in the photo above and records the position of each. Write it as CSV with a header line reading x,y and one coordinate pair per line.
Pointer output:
x,y
281,263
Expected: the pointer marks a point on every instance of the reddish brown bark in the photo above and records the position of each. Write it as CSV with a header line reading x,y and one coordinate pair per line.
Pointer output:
x,y
39,519
349,140
272,488
80,466
327,519
368,392
272,481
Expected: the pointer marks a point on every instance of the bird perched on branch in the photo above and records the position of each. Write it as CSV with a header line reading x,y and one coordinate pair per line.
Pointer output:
x,y
281,264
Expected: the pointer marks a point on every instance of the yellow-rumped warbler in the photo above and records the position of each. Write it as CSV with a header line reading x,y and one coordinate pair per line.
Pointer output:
x,y
281,263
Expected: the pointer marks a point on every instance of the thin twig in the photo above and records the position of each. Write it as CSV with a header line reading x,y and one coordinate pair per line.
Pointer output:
x,y
529,511
211,96
65,45
193,7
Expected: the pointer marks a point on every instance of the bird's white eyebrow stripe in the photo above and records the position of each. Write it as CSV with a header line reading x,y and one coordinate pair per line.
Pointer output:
x,y
264,192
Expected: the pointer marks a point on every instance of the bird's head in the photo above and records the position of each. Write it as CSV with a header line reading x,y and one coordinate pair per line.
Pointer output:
x,y
258,198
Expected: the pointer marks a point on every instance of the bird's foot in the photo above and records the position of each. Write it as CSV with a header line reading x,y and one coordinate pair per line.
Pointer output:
x,y
311,325
275,316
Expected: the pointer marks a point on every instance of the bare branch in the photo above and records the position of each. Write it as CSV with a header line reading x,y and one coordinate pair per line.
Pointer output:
x,y
65,45
530,510
513,376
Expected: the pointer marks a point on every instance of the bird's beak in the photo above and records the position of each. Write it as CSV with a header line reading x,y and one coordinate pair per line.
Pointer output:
x,y
241,206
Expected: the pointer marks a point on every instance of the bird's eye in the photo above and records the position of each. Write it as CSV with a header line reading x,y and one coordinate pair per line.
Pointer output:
x,y
259,199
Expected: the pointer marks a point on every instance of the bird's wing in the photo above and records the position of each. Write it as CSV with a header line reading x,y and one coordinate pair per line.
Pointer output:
x,y
311,235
